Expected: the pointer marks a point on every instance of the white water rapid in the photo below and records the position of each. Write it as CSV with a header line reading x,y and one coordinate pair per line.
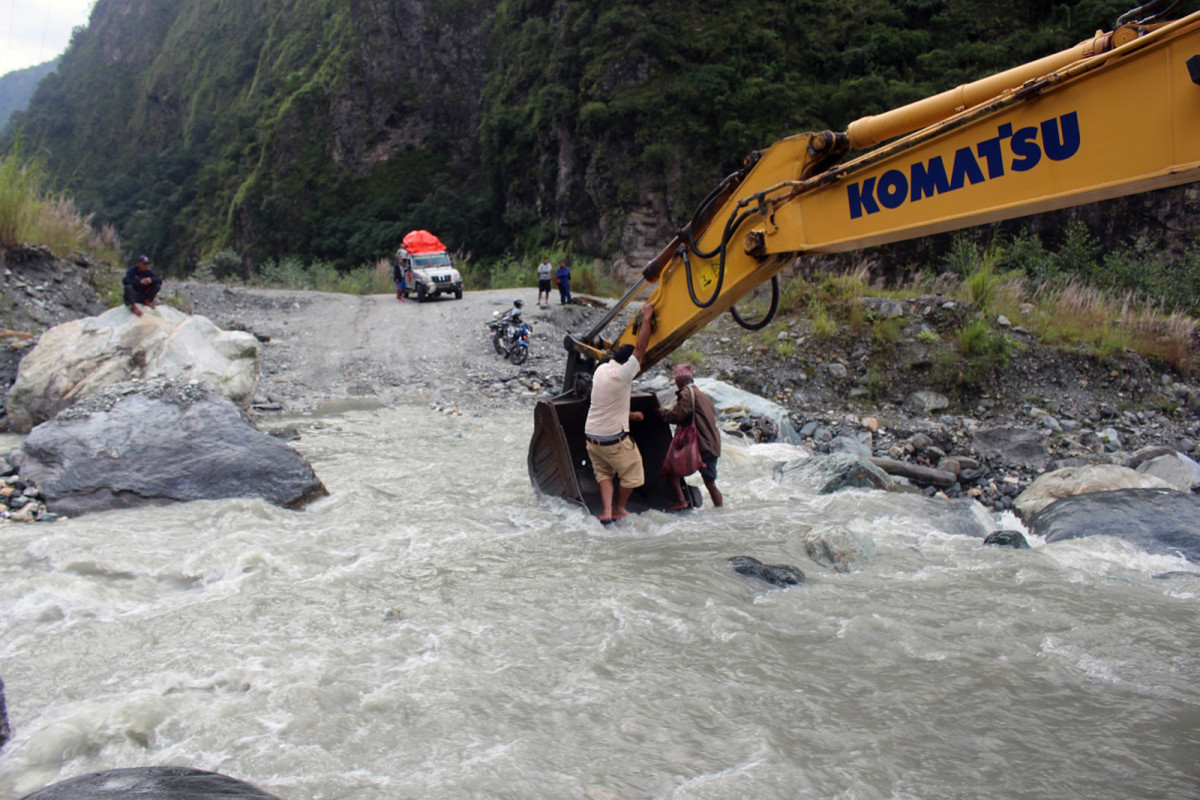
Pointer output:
x,y
434,629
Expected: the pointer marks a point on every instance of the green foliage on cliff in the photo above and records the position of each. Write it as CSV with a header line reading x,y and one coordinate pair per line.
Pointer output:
x,y
326,129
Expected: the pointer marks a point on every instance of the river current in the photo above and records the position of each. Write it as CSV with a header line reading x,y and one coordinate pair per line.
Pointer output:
x,y
434,629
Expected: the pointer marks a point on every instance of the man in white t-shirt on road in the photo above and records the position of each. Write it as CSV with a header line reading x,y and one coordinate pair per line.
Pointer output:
x,y
615,456
545,274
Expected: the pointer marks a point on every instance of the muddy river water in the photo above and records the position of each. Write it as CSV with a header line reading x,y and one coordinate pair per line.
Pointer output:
x,y
434,629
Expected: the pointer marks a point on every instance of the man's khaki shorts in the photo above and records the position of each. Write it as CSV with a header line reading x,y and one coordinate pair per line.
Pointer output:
x,y
621,459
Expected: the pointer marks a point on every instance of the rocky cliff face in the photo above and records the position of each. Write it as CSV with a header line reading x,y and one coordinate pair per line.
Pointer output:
x,y
418,69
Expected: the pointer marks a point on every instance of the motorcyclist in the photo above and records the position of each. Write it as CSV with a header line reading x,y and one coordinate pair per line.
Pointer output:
x,y
513,315
512,318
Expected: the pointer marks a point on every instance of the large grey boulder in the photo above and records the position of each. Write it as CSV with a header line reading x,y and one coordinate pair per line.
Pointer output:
x,y
152,783
77,358
156,443
1071,481
1161,521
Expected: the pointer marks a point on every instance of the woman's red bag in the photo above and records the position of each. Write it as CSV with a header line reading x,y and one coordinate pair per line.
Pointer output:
x,y
683,455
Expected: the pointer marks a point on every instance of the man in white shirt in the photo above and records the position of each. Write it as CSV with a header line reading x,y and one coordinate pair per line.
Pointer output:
x,y
545,273
615,456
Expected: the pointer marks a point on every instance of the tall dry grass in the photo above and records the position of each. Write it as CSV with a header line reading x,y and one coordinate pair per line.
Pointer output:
x,y
1077,314
30,214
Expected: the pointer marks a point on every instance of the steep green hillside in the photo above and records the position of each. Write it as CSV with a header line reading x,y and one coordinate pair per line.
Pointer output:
x,y
327,128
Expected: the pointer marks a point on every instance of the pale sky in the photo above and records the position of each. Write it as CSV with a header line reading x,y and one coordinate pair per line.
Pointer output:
x,y
35,31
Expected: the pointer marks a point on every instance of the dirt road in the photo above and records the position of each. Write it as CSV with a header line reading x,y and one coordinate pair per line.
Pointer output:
x,y
324,347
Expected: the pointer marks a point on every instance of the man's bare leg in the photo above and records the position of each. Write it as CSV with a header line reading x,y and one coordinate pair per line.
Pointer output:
x,y
623,493
606,500
133,307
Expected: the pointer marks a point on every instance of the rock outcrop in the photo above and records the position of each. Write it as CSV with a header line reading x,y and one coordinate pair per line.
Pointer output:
x,y
140,444
77,358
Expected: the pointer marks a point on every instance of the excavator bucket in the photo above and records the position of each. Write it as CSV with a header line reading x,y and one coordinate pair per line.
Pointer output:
x,y
560,467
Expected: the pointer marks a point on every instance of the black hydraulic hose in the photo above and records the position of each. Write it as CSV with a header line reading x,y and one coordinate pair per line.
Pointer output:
x,y
1154,11
734,222
702,213
765,321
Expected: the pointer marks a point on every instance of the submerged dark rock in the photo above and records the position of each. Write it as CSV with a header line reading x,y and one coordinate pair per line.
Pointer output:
x,y
776,574
5,731
1014,539
152,783
1161,521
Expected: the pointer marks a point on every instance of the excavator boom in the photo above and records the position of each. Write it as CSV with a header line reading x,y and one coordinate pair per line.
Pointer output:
x,y
1116,115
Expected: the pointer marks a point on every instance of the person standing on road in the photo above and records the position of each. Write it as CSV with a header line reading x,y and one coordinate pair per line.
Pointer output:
x,y
563,278
688,401
545,272
398,273
616,460
141,285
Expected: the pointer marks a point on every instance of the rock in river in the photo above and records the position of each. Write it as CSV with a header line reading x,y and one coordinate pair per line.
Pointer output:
x,y
5,731
777,574
829,474
153,443
1070,481
1162,521
151,783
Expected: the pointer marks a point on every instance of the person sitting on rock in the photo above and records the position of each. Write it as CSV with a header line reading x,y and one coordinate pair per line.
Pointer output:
x,y
141,285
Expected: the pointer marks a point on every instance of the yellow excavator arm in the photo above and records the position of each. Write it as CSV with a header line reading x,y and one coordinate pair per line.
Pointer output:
x,y
1115,115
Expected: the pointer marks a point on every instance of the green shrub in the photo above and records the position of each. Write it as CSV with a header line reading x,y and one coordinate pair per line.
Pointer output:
x,y
220,266
962,257
887,332
785,348
823,326
688,355
590,279
877,384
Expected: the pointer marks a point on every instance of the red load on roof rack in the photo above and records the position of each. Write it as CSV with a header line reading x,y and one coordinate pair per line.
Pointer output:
x,y
422,242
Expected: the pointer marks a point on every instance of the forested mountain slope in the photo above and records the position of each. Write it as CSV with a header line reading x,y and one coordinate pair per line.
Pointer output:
x,y
327,128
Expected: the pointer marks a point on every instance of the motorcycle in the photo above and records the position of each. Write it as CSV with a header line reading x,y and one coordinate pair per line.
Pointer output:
x,y
518,341
498,332
510,336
